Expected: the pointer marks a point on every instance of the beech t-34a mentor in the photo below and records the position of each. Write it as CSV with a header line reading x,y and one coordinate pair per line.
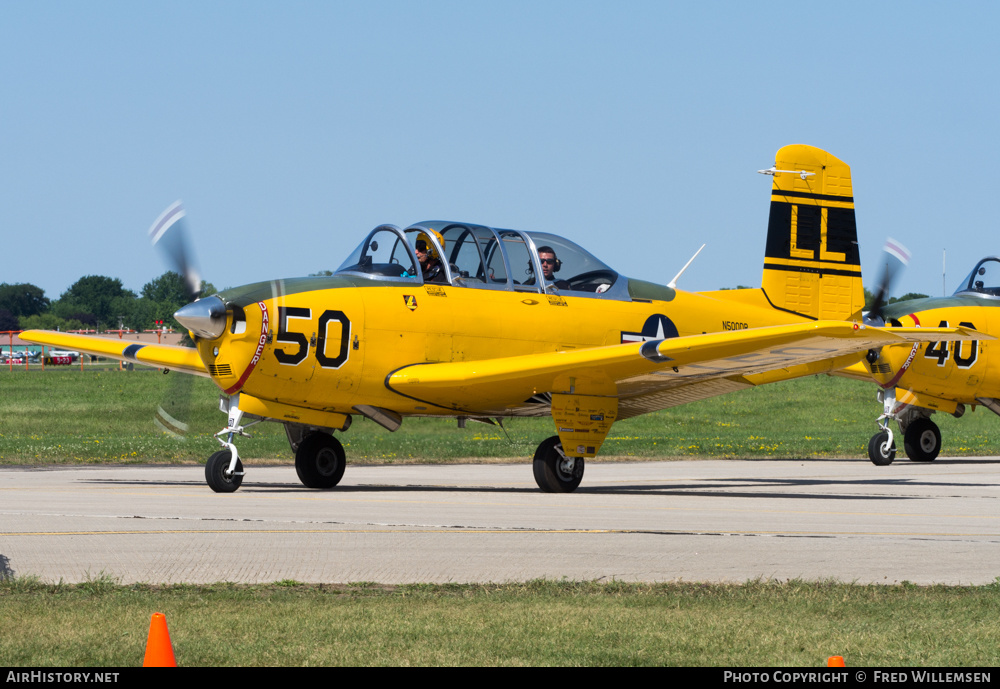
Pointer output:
x,y
494,332
917,380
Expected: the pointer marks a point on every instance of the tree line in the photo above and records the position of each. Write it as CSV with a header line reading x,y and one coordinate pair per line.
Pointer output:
x,y
95,302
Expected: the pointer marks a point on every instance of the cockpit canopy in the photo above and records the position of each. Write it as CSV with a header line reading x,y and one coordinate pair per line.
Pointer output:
x,y
482,257
984,280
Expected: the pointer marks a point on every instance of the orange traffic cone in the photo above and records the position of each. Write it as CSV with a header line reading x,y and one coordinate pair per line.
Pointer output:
x,y
835,661
159,652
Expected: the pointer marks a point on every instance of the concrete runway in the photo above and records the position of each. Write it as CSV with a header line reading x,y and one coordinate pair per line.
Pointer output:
x,y
652,521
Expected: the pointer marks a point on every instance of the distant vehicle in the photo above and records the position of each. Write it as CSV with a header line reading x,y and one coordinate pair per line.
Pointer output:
x,y
19,357
61,354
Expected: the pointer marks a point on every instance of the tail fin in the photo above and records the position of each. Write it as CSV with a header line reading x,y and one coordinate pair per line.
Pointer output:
x,y
812,266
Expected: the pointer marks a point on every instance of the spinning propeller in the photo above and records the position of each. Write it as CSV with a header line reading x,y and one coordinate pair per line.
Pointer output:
x,y
170,237
895,257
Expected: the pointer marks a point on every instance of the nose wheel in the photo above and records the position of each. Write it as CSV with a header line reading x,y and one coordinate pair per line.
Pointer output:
x,y
218,475
224,470
881,448
921,436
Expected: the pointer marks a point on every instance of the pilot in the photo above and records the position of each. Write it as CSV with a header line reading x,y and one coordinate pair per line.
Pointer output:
x,y
550,266
430,262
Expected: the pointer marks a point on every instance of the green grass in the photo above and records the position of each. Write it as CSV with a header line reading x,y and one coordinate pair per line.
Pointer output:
x,y
536,623
105,415
65,415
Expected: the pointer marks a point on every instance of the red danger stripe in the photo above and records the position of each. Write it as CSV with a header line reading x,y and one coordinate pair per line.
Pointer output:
x,y
906,364
264,327
902,369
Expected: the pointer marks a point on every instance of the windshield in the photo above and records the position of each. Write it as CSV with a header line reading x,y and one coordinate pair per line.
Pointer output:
x,y
480,257
383,253
574,268
984,279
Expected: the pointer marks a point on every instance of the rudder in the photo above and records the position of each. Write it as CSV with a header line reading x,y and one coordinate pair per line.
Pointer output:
x,y
812,266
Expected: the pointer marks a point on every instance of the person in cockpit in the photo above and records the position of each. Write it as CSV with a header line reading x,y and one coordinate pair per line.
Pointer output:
x,y
550,266
430,262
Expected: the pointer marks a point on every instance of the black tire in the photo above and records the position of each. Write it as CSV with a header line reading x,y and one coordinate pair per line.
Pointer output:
x,y
320,461
922,440
554,471
215,472
880,456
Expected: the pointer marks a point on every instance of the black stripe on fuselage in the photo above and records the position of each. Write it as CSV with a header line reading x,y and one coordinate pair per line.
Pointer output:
x,y
131,351
809,195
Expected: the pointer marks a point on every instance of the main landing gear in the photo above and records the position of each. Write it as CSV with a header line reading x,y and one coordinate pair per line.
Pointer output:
x,y
922,440
921,436
320,461
555,472
319,457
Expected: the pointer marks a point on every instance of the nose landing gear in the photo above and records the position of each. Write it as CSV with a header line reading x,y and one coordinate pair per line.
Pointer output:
x,y
921,436
224,470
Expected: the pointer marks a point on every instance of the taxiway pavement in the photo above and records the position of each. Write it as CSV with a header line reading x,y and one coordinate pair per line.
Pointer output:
x,y
713,520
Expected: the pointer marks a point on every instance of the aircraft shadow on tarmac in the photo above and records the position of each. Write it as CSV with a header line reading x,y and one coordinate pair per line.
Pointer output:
x,y
794,489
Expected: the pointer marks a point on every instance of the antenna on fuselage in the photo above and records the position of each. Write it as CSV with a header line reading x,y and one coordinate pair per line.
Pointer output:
x,y
673,283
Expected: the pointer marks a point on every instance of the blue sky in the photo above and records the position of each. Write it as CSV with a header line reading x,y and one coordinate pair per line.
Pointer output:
x,y
634,128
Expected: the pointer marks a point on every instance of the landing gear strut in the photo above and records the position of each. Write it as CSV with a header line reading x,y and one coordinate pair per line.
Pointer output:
x,y
921,436
555,472
224,470
881,448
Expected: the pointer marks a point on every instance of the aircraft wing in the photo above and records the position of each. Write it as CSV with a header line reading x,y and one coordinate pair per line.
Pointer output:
x,y
646,376
175,358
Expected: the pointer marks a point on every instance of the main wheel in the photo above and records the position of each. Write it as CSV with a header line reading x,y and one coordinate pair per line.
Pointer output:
x,y
216,469
554,471
922,440
320,461
879,450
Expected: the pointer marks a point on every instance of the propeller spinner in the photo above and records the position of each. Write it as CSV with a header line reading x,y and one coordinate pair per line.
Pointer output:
x,y
205,318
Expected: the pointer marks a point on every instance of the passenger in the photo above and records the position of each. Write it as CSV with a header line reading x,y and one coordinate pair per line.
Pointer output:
x,y
430,262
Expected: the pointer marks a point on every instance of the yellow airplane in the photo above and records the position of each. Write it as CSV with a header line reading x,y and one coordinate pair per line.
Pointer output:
x,y
462,320
919,379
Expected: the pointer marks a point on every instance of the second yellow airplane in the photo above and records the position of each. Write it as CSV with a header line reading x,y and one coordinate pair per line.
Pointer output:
x,y
463,320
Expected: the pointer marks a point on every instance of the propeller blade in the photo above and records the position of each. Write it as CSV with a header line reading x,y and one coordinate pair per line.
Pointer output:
x,y
895,257
175,406
169,235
